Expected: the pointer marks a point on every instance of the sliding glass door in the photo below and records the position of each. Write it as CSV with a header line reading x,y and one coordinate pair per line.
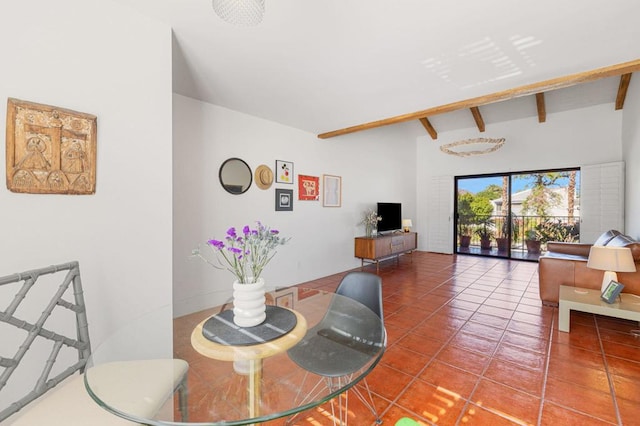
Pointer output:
x,y
513,215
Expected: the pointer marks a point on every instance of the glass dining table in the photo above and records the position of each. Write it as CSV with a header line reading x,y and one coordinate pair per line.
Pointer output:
x,y
313,346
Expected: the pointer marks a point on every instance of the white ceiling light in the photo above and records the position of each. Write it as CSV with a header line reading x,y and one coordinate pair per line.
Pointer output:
x,y
469,147
240,12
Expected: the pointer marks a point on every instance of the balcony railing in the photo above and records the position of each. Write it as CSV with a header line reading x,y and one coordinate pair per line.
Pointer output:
x,y
522,236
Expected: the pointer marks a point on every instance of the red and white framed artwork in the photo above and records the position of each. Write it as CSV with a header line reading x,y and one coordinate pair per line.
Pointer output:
x,y
308,188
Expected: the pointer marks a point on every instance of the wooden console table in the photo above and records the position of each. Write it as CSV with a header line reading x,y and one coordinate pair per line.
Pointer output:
x,y
375,249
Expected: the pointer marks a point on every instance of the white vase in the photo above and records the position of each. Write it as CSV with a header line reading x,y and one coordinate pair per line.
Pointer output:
x,y
248,303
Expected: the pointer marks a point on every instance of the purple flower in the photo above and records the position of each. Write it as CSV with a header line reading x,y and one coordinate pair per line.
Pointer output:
x,y
246,230
231,232
216,243
275,231
235,250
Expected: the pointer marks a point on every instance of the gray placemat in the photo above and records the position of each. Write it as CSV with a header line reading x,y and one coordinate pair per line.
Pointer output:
x,y
221,329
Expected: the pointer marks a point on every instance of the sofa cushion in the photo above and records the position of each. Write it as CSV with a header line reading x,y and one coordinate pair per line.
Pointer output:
x,y
604,239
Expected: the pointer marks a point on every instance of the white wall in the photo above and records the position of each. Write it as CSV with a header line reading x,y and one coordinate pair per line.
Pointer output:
x,y
375,166
100,58
568,139
631,156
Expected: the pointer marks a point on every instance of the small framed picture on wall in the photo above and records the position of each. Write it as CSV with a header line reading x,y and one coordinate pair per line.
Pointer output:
x,y
284,200
332,187
308,187
284,171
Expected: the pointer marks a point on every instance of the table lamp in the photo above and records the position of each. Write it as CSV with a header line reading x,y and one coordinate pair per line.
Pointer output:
x,y
611,260
406,224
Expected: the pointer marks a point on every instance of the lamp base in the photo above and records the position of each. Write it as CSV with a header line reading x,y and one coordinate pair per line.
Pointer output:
x,y
608,277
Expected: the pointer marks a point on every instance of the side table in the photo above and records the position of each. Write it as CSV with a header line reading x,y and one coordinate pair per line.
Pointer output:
x,y
588,300
250,354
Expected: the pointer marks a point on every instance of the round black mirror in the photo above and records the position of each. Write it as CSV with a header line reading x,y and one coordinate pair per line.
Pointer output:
x,y
235,176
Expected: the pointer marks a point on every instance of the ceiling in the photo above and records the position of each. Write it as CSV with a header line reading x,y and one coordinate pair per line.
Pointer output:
x,y
325,65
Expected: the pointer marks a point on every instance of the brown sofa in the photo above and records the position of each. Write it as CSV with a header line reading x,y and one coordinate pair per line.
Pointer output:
x,y
566,264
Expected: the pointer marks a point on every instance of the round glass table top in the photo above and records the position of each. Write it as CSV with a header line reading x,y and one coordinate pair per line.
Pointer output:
x,y
143,375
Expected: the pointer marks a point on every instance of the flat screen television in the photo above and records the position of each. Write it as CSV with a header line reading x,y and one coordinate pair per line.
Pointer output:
x,y
391,214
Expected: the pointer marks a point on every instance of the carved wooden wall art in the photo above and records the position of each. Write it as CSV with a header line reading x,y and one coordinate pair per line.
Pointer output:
x,y
50,150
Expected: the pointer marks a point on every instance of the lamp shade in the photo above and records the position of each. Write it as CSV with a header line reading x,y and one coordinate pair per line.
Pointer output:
x,y
616,259
610,260
406,224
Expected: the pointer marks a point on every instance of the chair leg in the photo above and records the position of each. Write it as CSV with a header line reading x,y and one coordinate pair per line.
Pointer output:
x,y
182,399
367,400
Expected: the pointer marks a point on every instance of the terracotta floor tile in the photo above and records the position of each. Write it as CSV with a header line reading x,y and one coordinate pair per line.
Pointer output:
x,y
527,358
476,415
528,342
570,371
577,355
623,338
632,353
501,304
474,343
405,360
394,333
432,403
466,360
466,297
482,330
627,388
452,379
387,382
463,305
516,376
532,319
420,344
628,411
449,317
506,401
534,330
623,367
498,312
585,400
426,329
491,320
553,414
580,336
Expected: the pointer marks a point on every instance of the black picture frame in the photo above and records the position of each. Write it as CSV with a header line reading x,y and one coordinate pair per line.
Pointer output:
x,y
284,200
612,291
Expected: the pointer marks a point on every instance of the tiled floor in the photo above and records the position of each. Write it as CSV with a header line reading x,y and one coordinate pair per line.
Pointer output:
x,y
471,344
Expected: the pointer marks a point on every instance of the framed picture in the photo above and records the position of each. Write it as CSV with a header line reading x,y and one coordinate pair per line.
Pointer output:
x,y
286,297
284,171
332,187
284,200
612,291
308,188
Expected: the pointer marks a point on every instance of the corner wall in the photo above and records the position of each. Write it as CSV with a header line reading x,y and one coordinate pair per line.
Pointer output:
x,y
631,155
100,58
376,165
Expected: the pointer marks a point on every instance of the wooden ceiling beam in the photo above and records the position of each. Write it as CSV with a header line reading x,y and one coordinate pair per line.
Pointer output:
x,y
542,109
625,79
429,128
475,111
526,90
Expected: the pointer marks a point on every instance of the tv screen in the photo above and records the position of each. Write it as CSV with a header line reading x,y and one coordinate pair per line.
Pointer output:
x,y
391,214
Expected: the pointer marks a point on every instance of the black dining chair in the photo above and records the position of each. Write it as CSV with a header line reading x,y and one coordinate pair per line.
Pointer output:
x,y
345,326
